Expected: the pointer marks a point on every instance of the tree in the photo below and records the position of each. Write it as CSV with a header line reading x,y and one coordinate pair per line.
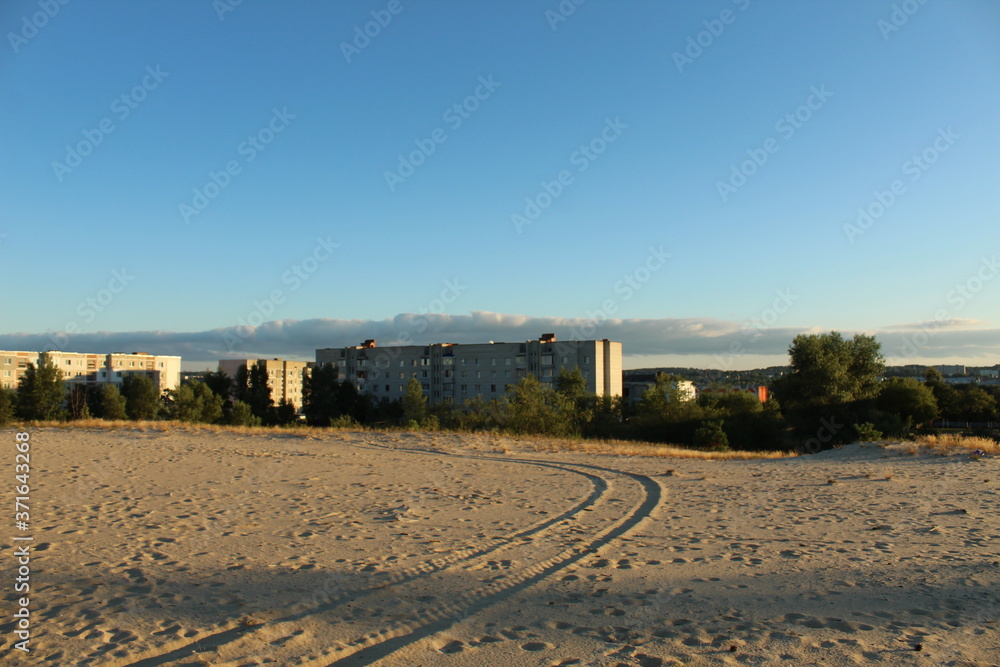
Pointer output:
x,y
535,408
220,384
711,435
258,394
415,403
975,404
828,370
908,399
318,401
8,404
196,402
41,391
242,415
112,403
77,400
142,398
284,413
944,393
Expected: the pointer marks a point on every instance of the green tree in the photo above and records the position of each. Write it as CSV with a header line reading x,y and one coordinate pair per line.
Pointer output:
x,y
8,405
77,401
908,399
258,394
711,435
975,404
319,395
415,403
196,402
142,398
285,413
41,391
220,384
112,403
534,408
828,370
944,393
242,415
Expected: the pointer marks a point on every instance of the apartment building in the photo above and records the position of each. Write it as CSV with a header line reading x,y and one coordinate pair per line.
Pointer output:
x,y
457,372
85,368
283,377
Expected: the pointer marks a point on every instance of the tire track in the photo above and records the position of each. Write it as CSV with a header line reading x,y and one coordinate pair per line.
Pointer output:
x,y
377,646
235,632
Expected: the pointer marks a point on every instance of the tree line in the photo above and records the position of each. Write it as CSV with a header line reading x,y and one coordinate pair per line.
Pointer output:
x,y
834,393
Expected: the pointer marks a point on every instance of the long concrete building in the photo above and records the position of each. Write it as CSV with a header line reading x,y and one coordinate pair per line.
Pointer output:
x,y
457,372
84,368
284,377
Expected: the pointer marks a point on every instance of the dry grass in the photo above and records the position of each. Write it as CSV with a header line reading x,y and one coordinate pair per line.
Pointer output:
x,y
951,444
651,449
504,444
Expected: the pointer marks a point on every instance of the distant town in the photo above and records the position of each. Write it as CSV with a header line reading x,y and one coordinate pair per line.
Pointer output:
x,y
447,372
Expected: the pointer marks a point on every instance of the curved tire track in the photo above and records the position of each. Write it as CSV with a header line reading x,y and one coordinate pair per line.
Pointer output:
x,y
235,632
381,645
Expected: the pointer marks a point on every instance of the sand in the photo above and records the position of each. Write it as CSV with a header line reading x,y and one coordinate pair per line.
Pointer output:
x,y
351,548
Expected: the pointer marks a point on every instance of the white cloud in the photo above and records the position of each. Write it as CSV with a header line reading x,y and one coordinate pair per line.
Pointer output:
x,y
704,341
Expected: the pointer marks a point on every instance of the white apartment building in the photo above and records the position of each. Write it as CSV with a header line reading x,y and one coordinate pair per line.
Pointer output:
x,y
457,372
284,377
84,368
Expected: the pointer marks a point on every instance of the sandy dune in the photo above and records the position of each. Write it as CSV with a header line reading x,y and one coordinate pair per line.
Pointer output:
x,y
200,548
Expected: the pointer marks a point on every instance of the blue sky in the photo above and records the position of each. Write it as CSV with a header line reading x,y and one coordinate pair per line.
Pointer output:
x,y
216,180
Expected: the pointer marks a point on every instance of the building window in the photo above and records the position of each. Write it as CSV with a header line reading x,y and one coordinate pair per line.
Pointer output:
x,y
479,374
546,360
465,388
520,358
506,362
493,388
506,374
476,361
387,389
493,374
6,374
402,375
546,372
493,362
